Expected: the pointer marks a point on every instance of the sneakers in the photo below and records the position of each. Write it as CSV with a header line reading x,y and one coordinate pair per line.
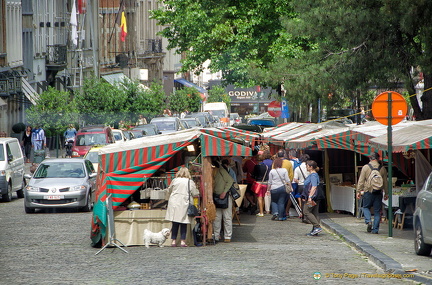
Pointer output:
x,y
316,231
227,240
274,217
260,215
369,227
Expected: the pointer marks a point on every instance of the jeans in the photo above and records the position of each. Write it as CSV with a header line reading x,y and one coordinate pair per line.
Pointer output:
x,y
278,199
175,228
375,201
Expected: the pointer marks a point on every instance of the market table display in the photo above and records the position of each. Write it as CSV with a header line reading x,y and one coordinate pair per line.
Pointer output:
x,y
342,198
130,225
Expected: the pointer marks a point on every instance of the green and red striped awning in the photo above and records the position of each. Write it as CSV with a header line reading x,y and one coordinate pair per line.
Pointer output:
x,y
412,138
249,136
339,141
125,168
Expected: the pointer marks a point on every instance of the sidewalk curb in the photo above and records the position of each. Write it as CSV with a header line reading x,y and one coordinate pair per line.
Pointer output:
x,y
380,259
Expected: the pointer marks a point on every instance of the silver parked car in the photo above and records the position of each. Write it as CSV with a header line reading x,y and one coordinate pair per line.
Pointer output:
x,y
168,125
61,183
423,219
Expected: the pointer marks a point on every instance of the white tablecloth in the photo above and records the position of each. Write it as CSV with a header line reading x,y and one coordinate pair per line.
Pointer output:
x,y
342,198
395,201
130,225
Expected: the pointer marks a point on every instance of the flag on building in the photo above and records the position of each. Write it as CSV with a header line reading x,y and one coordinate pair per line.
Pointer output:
x,y
123,27
74,24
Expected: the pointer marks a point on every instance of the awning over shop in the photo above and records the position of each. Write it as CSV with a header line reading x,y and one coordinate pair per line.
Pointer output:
x,y
310,140
186,83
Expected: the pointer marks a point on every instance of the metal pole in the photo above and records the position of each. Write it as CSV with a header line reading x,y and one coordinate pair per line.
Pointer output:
x,y
390,164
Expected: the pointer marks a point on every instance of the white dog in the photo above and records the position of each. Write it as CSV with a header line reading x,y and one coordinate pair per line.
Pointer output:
x,y
156,238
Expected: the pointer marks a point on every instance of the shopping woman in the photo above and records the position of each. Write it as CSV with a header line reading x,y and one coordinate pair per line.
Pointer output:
x,y
261,174
182,190
309,197
278,178
27,143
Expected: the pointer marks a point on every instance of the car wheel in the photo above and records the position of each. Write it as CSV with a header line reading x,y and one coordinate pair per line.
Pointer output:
x,y
421,248
89,205
20,193
29,210
8,196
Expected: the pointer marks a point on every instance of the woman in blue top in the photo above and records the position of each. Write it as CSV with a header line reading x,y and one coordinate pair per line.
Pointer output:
x,y
309,195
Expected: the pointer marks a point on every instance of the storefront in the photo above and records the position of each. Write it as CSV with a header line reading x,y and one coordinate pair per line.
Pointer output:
x,y
247,101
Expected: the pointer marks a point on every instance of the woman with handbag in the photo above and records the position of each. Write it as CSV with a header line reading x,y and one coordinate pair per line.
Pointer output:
x,y
222,184
278,178
261,174
309,197
181,191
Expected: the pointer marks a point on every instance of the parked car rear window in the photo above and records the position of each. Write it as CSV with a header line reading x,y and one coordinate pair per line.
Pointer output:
x,y
2,156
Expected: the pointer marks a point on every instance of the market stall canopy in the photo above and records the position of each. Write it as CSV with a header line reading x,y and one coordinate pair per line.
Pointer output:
x,y
293,133
311,140
412,138
247,136
126,166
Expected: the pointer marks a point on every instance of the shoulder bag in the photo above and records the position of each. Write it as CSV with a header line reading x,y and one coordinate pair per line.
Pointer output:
x,y
257,186
288,186
192,211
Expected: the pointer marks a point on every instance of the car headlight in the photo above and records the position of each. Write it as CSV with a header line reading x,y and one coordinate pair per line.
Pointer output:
x,y
78,188
32,188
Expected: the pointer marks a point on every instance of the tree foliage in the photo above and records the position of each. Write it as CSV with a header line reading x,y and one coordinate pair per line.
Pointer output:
x,y
235,35
186,99
217,94
54,111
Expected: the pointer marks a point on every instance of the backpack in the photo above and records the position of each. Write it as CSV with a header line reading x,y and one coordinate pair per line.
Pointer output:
x,y
296,163
375,180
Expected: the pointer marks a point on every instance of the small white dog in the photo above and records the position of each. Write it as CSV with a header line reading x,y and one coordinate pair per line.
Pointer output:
x,y
156,238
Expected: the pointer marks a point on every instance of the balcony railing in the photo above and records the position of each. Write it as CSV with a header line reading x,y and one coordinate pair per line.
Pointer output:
x,y
154,46
56,55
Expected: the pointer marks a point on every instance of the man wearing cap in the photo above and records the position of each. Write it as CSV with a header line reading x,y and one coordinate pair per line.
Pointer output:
x,y
372,197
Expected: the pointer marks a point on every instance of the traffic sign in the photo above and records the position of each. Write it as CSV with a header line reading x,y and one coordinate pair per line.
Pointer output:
x,y
285,110
399,107
274,109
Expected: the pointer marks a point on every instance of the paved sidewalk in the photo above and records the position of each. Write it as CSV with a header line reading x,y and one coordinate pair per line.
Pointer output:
x,y
393,254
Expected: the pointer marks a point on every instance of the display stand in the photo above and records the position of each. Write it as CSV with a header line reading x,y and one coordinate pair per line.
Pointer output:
x,y
111,228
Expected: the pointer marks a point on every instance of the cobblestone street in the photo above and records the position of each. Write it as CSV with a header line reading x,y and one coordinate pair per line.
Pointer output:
x,y
53,247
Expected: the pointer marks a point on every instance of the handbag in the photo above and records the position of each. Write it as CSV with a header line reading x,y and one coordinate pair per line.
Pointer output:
x,y
288,186
220,203
234,191
257,186
192,211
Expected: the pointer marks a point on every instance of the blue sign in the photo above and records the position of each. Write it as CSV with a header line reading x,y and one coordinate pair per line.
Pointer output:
x,y
284,108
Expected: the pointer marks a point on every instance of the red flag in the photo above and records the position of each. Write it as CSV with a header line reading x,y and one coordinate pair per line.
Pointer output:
x,y
123,27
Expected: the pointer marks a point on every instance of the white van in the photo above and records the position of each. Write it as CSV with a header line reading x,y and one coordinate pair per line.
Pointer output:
x,y
220,110
11,169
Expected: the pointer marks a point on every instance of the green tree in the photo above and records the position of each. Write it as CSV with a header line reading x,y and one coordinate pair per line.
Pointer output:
x,y
142,100
101,103
54,111
185,99
361,44
237,36
217,94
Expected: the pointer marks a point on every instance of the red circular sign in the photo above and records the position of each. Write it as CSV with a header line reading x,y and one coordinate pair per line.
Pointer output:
x,y
274,109
399,107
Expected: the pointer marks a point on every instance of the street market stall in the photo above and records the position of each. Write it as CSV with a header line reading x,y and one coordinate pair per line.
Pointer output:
x,y
125,168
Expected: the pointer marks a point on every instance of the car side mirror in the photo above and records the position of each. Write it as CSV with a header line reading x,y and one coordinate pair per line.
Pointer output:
x,y
93,175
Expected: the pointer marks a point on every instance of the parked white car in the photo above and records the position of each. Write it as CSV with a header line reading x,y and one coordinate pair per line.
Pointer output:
x,y
11,169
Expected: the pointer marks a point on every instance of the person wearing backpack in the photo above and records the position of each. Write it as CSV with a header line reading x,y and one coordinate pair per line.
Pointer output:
x,y
370,185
